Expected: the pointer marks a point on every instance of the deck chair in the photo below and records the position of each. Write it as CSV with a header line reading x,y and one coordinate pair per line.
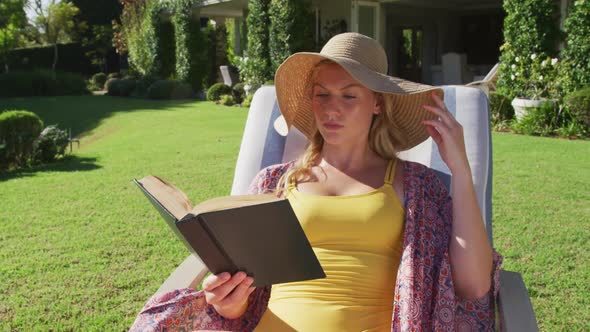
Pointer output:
x,y
263,146
488,83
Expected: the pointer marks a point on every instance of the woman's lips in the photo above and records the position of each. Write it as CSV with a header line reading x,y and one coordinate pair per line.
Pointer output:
x,y
332,126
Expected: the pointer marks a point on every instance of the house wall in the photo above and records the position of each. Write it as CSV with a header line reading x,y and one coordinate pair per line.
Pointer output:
x,y
332,10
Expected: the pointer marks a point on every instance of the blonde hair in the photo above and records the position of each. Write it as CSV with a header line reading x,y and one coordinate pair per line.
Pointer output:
x,y
384,136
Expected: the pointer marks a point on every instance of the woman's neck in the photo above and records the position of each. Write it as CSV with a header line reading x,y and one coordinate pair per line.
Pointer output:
x,y
348,159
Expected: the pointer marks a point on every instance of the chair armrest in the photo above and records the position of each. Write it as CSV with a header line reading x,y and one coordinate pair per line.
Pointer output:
x,y
515,308
187,275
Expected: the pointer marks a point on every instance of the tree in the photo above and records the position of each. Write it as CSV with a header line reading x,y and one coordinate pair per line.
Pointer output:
x,y
95,12
577,47
290,30
56,23
12,20
100,44
256,66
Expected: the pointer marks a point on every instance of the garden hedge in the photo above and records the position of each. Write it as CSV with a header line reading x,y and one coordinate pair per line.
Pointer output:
x,y
18,131
41,83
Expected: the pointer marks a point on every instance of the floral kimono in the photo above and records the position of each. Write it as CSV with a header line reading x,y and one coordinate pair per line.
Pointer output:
x,y
424,298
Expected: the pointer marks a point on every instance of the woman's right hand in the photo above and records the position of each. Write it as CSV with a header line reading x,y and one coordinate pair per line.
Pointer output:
x,y
228,294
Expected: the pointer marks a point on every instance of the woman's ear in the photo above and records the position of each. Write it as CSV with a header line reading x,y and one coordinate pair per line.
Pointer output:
x,y
378,103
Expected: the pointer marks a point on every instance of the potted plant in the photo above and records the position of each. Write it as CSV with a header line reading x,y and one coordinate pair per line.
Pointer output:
x,y
541,81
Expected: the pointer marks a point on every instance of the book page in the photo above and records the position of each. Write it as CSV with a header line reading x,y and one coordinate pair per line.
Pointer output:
x,y
172,198
228,202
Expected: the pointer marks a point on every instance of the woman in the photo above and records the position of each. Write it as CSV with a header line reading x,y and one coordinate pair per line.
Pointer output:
x,y
382,228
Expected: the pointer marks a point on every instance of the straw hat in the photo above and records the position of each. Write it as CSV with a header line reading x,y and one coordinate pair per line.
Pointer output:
x,y
365,60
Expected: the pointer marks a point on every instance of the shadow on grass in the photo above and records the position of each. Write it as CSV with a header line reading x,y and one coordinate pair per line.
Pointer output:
x,y
67,164
84,113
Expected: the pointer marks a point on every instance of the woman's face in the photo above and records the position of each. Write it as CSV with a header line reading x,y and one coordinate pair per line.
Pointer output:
x,y
342,107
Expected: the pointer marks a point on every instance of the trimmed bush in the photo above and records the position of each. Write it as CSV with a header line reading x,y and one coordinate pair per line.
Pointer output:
x,y
99,79
52,142
120,87
114,75
238,92
72,58
217,90
226,100
165,89
578,104
18,131
501,109
41,83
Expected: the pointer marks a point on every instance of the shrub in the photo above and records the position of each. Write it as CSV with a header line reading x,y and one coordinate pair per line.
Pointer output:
x,y
41,83
141,87
537,121
530,28
52,142
255,67
217,90
290,29
140,26
165,89
193,62
578,104
120,87
501,109
238,92
226,100
114,75
577,46
18,131
247,101
99,79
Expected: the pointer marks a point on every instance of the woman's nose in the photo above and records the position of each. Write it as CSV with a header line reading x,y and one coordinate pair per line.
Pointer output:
x,y
330,107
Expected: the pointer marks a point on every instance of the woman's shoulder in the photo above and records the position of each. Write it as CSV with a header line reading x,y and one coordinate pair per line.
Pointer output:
x,y
267,178
276,169
420,176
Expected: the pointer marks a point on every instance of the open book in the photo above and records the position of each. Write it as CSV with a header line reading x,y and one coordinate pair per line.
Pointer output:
x,y
258,234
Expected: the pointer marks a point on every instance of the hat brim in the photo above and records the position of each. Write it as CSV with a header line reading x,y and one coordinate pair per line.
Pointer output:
x,y
294,97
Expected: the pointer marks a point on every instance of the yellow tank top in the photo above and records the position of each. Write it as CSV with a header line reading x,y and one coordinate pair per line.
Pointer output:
x,y
358,241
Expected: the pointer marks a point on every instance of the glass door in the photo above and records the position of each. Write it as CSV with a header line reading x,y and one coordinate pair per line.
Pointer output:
x,y
365,18
410,53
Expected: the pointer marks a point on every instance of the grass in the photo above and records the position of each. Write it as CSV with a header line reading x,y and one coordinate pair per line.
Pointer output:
x,y
81,249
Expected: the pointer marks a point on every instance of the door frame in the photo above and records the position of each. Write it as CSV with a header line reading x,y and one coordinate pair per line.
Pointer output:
x,y
354,13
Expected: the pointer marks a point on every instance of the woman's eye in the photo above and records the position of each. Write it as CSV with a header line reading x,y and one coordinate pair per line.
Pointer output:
x,y
349,97
321,94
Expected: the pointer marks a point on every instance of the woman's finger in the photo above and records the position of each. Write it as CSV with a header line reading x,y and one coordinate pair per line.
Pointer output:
x,y
444,116
221,291
442,129
434,134
213,281
239,294
438,100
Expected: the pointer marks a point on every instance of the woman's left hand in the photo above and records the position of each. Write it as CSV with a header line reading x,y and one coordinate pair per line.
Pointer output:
x,y
448,135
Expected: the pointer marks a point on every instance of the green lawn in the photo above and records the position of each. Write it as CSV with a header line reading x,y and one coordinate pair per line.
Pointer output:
x,y
81,248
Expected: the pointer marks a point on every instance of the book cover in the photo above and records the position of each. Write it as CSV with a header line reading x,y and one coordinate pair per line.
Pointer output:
x,y
258,234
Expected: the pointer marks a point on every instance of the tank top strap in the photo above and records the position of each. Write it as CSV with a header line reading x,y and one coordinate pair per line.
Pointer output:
x,y
390,173
292,184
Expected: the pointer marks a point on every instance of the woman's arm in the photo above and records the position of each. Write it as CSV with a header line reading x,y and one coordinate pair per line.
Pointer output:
x,y
470,249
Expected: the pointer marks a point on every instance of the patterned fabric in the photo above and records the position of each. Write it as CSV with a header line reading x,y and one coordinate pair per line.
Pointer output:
x,y
424,300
